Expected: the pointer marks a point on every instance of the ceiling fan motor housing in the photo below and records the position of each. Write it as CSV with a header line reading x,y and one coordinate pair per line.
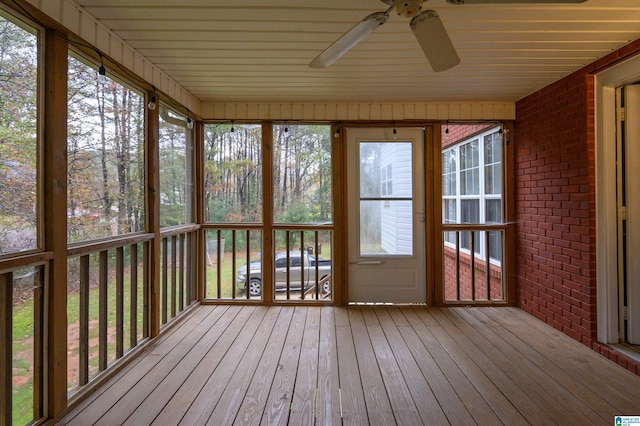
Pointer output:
x,y
409,9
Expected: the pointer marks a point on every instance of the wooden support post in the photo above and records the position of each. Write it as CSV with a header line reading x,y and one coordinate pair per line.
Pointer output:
x,y
267,213
508,183
152,260
435,235
198,265
55,221
339,250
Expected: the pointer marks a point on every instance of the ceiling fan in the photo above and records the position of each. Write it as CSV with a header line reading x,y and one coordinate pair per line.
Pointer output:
x,y
426,26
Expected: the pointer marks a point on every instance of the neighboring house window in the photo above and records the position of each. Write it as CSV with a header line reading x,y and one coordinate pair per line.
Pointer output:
x,y
472,190
386,180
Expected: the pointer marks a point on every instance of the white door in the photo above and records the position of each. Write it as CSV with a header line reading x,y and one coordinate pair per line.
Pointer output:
x,y
631,201
386,215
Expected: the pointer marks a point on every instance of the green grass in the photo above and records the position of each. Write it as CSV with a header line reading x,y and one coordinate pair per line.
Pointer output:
x,y
23,404
23,325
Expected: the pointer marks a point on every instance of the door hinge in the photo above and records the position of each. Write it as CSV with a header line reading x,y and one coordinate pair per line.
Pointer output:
x,y
621,113
622,212
625,313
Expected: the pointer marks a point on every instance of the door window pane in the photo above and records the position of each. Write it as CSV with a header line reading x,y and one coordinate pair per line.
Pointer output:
x,y
386,204
386,228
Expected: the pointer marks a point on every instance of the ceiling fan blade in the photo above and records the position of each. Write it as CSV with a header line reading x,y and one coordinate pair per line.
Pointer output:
x,y
512,1
434,40
349,39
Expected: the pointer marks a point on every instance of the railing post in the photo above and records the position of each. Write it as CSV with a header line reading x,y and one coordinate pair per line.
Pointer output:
x,y
6,343
83,320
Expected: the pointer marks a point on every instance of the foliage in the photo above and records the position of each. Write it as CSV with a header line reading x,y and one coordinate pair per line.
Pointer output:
x,y
105,148
18,136
301,158
233,173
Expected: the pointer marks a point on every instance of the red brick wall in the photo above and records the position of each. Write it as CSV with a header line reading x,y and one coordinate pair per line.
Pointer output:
x,y
454,133
464,269
555,203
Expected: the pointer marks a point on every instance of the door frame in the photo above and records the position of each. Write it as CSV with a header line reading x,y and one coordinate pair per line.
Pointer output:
x,y
606,83
431,143
375,288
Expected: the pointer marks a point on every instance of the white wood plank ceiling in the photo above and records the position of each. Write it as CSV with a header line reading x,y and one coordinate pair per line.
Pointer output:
x,y
258,50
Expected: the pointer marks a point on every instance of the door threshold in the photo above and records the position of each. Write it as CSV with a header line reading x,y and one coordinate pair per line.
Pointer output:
x,y
632,351
387,304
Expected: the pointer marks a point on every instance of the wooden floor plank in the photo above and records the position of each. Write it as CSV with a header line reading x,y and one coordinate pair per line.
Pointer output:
x,y
234,393
421,373
183,398
608,380
218,366
303,404
162,353
411,397
361,365
328,401
281,393
479,395
531,383
479,367
379,408
353,407
129,411
587,400
251,411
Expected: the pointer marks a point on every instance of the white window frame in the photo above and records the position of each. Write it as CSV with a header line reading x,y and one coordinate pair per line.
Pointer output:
x,y
480,246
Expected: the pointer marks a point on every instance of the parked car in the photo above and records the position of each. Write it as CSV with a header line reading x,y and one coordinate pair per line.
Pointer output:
x,y
302,273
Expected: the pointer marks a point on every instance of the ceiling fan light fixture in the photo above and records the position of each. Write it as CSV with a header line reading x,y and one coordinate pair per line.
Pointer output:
x,y
349,39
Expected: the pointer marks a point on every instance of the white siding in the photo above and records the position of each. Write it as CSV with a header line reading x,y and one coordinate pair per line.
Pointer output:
x,y
396,217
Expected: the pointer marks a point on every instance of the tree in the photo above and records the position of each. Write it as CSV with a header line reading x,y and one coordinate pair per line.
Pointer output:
x,y
18,138
233,173
105,150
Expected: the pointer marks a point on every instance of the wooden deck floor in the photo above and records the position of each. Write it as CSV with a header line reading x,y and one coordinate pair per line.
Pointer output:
x,y
242,365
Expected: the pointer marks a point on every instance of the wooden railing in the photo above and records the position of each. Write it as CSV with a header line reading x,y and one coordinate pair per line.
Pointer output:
x,y
235,269
22,296
108,296
309,279
178,270
474,267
